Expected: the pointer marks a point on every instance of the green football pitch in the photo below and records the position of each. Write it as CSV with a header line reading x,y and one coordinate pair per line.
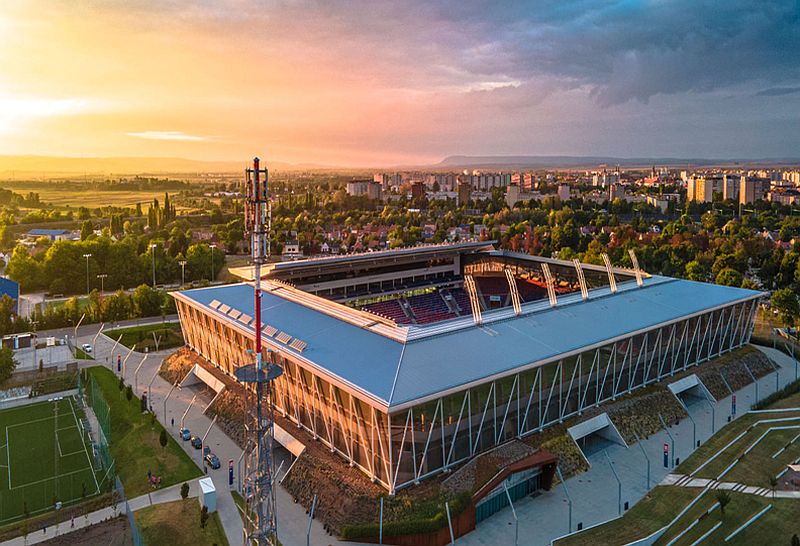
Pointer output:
x,y
45,458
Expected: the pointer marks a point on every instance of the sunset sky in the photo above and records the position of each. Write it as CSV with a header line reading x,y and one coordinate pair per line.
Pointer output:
x,y
389,82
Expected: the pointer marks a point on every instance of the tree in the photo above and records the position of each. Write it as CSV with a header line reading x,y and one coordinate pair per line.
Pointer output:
x,y
729,277
121,383
785,302
128,393
7,305
723,498
7,363
695,271
203,517
162,439
185,491
773,483
146,301
86,230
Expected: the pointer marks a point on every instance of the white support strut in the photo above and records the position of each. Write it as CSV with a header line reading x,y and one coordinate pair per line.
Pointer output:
x,y
612,282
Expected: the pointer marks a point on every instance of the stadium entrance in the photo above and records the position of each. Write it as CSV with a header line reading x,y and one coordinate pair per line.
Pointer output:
x,y
690,391
525,476
595,434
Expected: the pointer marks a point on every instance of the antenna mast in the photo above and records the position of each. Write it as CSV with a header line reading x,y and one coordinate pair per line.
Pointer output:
x,y
260,517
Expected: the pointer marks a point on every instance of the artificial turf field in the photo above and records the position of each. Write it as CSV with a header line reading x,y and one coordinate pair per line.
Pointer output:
x,y
45,457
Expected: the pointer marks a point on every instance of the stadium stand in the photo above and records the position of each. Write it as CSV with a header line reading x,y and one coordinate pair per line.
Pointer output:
x,y
391,309
428,308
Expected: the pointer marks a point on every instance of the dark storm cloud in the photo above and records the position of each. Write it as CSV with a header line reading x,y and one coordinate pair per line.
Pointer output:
x,y
634,50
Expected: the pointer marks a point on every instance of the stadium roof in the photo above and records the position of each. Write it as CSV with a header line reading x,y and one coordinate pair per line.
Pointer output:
x,y
429,361
246,272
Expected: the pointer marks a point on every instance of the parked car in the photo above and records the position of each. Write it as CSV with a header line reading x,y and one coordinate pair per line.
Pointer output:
x,y
197,443
185,434
212,461
206,450
87,347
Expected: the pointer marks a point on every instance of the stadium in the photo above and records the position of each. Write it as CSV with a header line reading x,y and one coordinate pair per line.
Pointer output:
x,y
410,362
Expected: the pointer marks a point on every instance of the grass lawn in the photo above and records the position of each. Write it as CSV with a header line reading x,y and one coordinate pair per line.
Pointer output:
x,y
170,335
135,441
741,508
80,354
755,467
648,516
44,458
178,524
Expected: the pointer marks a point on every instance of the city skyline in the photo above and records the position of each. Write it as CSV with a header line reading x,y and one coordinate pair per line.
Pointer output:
x,y
382,84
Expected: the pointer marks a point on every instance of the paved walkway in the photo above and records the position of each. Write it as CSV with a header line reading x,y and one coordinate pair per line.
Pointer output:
x,y
682,480
595,497
292,519
159,496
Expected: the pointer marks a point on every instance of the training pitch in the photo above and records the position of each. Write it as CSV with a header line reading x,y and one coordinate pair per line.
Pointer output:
x,y
45,458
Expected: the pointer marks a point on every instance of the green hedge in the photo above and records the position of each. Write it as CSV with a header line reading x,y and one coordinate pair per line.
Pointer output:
x,y
457,504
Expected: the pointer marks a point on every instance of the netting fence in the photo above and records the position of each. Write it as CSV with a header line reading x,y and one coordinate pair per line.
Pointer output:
x,y
100,433
136,535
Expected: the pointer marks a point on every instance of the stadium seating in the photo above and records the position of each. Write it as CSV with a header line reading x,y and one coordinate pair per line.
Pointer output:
x,y
389,309
428,308
461,299
530,290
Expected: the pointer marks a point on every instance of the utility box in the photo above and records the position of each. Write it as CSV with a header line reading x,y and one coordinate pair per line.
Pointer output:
x,y
208,494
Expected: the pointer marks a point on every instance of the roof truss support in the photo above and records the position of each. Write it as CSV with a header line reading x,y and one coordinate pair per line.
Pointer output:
x,y
612,282
472,292
636,269
581,279
551,285
512,286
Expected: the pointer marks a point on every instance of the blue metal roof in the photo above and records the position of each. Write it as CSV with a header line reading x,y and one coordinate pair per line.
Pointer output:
x,y
398,373
47,232
366,360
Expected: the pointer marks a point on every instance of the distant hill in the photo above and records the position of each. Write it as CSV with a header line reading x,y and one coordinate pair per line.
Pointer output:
x,y
543,161
31,165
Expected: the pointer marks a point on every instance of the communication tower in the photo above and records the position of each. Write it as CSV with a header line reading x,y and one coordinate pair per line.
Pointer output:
x,y
260,517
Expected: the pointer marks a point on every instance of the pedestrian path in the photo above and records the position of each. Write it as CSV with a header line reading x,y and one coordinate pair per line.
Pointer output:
x,y
596,495
158,496
682,480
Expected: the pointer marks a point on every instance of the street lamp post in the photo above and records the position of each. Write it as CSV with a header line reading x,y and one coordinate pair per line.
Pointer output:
x,y
183,272
153,252
102,277
87,256
212,246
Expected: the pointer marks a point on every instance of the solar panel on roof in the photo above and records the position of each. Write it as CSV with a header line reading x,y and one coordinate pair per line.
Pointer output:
x,y
270,330
234,313
224,308
298,345
283,337
214,304
245,319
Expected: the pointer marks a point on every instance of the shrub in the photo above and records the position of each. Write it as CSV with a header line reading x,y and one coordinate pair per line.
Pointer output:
x,y
203,517
185,491
128,393
457,504
162,439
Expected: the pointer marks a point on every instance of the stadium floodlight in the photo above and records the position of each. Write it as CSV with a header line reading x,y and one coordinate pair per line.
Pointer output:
x,y
87,256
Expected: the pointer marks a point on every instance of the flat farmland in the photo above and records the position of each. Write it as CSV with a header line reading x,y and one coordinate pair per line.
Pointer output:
x,y
60,196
